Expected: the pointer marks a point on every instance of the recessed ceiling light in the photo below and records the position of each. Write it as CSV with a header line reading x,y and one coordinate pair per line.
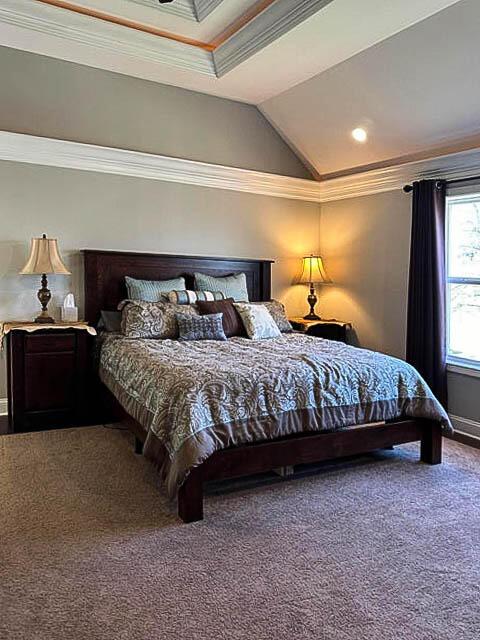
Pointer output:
x,y
359,134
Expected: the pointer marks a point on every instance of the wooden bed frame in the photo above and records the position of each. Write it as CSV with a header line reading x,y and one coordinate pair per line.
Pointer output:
x,y
105,288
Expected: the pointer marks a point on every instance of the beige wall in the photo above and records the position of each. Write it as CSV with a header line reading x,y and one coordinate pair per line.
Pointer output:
x,y
51,98
366,244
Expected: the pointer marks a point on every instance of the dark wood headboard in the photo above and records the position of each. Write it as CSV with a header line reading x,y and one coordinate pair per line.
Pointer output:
x,y
105,273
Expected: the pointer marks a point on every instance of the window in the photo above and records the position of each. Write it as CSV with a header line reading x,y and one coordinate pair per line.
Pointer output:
x,y
463,280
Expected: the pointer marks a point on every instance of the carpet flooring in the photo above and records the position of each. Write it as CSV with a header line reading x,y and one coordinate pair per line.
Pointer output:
x,y
377,548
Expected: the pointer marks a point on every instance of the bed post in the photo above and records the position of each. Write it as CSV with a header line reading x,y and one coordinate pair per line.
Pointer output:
x,y
190,498
431,443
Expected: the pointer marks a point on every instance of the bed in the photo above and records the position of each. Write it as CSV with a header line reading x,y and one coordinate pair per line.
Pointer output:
x,y
204,411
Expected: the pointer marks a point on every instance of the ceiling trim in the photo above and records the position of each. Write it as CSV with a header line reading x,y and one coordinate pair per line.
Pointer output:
x,y
180,8
18,147
68,25
463,164
125,22
61,19
269,25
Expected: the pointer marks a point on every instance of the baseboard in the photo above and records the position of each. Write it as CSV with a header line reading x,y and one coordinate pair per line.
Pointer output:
x,y
3,407
466,426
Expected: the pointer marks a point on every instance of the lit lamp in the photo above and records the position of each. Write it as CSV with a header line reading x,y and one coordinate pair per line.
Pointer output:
x,y
313,273
44,259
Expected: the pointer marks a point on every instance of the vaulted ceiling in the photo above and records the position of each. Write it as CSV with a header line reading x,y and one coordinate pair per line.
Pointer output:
x,y
316,68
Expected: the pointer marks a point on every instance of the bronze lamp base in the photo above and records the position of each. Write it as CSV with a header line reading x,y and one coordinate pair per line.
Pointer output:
x,y
312,301
44,296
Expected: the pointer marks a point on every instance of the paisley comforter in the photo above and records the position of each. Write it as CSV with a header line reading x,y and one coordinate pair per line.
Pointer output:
x,y
194,398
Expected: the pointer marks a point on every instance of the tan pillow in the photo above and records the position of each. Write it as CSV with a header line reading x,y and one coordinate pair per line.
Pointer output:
x,y
257,321
152,319
277,311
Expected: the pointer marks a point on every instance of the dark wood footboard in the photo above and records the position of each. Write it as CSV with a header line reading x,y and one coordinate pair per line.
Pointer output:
x,y
304,448
288,451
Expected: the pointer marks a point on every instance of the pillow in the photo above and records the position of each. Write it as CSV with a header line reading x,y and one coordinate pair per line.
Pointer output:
x,y
142,319
234,286
110,321
232,322
190,297
200,327
277,311
152,290
257,321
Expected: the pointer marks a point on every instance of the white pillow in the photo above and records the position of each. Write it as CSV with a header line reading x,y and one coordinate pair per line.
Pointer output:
x,y
257,321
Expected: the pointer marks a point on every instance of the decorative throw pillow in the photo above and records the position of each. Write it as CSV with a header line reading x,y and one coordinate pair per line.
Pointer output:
x,y
257,321
277,311
231,320
190,297
142,319
152,290
234,286
200,327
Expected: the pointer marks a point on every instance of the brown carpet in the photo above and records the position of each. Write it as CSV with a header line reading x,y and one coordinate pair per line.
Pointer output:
x,y
379,548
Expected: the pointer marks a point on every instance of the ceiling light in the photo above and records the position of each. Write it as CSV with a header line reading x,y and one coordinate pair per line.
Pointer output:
x,y
359,134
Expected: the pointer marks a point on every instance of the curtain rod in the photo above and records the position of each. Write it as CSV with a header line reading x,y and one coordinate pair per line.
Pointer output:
x,y
408,187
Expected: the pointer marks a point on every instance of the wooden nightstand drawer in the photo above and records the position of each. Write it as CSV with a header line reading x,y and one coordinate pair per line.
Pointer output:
x,y
50,382
49,343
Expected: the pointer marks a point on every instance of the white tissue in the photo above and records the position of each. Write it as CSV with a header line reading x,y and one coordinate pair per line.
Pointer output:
x,y
69,300
69,310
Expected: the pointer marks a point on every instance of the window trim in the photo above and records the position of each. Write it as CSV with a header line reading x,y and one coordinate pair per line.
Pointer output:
x,y
456,364
462,368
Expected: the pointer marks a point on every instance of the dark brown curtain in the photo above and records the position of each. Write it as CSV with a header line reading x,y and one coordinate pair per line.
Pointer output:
x,y
426,327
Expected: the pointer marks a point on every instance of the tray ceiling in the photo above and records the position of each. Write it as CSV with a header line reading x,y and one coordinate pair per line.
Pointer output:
x,y
316,68
248,50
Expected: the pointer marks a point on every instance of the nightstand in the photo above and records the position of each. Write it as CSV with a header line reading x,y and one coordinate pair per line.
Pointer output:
x,y
48,370
330,329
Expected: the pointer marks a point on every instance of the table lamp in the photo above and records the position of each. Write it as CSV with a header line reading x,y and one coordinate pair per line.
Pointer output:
x,y
44,259
313,272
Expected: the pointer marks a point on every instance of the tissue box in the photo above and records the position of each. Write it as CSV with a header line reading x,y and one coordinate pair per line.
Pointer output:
x,y
69,314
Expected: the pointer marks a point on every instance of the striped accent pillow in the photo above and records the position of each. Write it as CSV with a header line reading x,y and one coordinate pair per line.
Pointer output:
x,y
190,297
234,286
152,290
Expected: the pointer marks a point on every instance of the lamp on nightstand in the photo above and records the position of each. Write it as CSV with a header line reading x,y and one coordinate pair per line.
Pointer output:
x,y
313,273
44,259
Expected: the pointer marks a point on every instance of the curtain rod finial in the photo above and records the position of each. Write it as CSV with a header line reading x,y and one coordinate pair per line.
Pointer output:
x,y
408,188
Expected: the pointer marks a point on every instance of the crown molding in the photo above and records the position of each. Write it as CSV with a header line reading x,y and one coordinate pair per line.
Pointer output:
x,y
181,8
268,26
18,147
104,36
463,164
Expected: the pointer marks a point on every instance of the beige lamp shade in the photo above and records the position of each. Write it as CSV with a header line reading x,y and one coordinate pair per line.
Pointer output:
x,y
314,271
44,258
